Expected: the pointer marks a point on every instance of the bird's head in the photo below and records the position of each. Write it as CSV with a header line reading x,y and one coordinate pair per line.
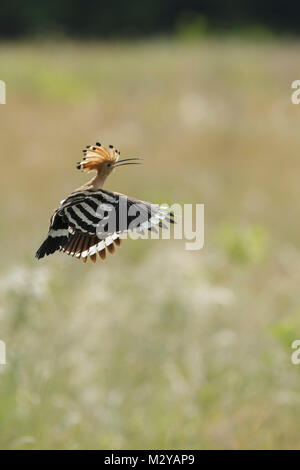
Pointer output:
x,y
103,160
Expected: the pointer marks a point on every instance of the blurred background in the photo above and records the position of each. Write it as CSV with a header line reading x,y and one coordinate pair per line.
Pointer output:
x,y
158,347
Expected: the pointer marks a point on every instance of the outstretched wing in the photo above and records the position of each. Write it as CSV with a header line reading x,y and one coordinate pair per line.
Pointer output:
x,y
94,221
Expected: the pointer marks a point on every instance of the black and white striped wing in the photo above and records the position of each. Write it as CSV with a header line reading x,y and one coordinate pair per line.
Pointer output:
x,y
95,219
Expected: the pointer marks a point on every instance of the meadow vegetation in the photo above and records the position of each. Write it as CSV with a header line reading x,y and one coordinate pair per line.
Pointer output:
x,y
158,347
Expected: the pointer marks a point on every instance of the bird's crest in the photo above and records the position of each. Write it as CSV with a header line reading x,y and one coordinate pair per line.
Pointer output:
x,y
94,155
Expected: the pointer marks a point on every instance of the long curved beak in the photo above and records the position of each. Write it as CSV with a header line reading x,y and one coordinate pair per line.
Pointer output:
x,y
128,161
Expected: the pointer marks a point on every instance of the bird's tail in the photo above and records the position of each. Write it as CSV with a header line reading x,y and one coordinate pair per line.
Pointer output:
x,y
54,241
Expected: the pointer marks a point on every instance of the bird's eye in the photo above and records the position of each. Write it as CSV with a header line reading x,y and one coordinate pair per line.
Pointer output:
x,y
108,165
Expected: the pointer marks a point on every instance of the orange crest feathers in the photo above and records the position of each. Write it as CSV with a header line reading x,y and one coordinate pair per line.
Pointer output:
x,y
95,155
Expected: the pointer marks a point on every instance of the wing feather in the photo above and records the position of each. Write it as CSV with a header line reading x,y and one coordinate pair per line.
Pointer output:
x,y
91,221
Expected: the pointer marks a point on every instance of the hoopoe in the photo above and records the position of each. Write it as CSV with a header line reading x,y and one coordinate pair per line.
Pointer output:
x,y
91,219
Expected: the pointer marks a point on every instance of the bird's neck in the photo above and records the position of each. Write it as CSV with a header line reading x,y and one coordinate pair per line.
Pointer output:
x,y
95,183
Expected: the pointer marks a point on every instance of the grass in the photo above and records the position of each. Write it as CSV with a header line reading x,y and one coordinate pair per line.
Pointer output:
x,y
158,347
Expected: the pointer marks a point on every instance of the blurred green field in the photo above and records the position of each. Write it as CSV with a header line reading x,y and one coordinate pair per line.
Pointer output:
x,y
158,347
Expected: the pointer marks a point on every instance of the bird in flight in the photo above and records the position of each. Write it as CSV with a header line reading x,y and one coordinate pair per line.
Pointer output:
x,y
91,220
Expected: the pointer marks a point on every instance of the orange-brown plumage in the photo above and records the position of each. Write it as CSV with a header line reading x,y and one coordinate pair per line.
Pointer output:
x,y
95,156
76,227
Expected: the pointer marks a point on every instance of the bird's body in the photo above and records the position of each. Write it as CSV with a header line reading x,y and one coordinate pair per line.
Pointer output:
x,y
91,220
